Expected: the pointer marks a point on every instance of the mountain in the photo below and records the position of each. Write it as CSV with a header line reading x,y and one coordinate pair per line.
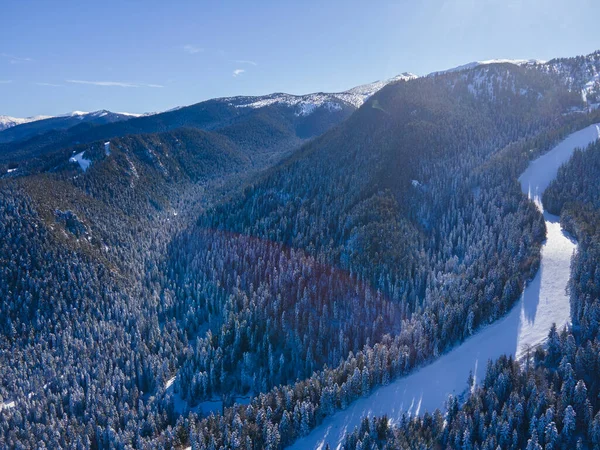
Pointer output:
x,y
42,124
473,64
307,104
232,273
292,119
405,196
580,73
9,122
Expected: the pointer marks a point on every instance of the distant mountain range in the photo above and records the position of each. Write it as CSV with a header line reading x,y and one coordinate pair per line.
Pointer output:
x,y
473,64
290,119
9,122
306,104
355,96
581,71
15,129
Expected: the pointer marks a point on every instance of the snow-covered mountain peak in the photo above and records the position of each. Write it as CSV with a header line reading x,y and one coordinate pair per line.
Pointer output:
x,y
9,122
75,114
307,104
474,64
360,94
102,113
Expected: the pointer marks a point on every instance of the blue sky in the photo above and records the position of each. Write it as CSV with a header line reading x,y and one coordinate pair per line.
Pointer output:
x,y
140,56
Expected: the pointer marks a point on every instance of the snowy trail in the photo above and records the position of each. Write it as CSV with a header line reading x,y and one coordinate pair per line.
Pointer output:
x,y
544,301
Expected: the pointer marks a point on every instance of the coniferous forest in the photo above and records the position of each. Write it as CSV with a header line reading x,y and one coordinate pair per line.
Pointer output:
x,y
233,273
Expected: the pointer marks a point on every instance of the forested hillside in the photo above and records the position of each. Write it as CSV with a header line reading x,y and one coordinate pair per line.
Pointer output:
x,y
78,308
552,400
375,198
288,256
89,224
300,204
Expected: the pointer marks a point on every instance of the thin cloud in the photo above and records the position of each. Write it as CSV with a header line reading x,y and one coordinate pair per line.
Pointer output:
x,y
114,84
245,61
15,59
238,72
49,84
103,83
192,49
5,81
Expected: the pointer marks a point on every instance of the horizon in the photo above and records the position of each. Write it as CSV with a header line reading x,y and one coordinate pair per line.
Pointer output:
x,y
137,114
156,59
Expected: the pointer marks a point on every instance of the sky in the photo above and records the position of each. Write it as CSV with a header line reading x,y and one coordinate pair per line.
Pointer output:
x,y
145,56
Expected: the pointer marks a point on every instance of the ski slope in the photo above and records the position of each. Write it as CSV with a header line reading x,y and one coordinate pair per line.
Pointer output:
x,y
544,301
540,173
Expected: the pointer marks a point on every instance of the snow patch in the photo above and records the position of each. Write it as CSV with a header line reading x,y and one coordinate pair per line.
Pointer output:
x,y
107,148
136,114
307,104
169,382
472,65
132,168
154,157
9,122
83,163
7,405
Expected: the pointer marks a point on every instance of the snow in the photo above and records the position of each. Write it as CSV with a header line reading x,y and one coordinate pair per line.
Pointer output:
x,y
10,170
307,104
169,382
102,113
7,405
83,163
472,65
543,302
76,114
591,87
517,62
484,80
137,114
133,168
543,170
107,148
307,109
581,74
360,94
9,122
